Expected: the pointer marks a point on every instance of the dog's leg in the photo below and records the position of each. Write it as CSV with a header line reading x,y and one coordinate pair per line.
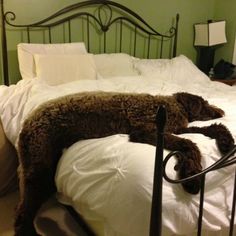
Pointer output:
x,y
224,139
190,164
186,167
140,135
36,190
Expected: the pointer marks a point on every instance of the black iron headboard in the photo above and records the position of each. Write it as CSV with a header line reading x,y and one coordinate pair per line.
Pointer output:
x,y
99,15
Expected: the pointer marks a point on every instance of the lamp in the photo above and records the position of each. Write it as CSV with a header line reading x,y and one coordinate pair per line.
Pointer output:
x,y
207,37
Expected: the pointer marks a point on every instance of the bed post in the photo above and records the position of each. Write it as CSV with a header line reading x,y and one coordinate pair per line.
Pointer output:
x,y
176,35
4,46
156,208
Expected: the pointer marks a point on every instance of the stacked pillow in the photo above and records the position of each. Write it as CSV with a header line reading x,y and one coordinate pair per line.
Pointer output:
x,y
62,63
115,64
26,52
60,69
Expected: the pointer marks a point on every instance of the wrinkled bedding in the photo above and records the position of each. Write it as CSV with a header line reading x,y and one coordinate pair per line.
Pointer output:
x,y
109,180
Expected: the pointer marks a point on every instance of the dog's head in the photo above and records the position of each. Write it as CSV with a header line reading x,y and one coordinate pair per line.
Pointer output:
x,y
197,108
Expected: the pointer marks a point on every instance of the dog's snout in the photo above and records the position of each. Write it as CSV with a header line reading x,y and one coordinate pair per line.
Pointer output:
x,y
211,112
217,112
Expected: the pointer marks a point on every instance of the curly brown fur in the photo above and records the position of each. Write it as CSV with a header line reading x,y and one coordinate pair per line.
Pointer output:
x,y
59,123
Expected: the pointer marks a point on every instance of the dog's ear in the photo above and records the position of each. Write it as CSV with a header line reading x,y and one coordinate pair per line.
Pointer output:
x,y
192,103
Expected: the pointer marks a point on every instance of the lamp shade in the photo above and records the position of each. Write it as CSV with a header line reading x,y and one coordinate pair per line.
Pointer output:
x,y
210,34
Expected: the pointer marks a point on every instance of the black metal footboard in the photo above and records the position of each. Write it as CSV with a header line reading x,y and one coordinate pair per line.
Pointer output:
x,y
160,172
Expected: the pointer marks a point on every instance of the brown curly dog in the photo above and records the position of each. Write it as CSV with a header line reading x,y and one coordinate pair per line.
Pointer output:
x,y
61,122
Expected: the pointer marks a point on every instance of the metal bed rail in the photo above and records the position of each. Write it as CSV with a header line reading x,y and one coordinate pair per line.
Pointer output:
x,y
160,173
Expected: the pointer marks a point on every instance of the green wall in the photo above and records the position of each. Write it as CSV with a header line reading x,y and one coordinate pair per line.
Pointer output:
x,y
226,10
159,13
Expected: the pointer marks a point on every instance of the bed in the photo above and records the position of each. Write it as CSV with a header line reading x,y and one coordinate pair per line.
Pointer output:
x,y
108,181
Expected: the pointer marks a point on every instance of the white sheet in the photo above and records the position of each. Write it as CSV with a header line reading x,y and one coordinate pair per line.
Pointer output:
x,y
126,208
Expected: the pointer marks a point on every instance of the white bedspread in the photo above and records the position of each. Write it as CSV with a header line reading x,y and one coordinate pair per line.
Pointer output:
x,y
109,180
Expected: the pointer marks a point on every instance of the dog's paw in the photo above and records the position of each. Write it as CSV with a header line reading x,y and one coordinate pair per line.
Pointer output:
x,y
224,149
192,186
187,169
225,144
224,138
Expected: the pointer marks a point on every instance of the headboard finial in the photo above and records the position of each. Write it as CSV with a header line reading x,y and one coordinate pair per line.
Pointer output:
x,y
176,35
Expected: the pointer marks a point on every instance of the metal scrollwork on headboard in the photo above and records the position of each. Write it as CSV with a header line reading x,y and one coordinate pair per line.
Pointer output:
x,y
105,22
103,14
9,16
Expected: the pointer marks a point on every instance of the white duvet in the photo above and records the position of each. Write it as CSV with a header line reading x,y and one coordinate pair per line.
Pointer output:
x,y
109,180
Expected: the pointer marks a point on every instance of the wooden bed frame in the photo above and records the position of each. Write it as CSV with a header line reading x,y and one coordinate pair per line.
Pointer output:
x,y
124,17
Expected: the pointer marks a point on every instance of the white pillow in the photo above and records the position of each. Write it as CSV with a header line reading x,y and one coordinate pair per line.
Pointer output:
x,y
59,69
160,68
179,69
26,53
114,64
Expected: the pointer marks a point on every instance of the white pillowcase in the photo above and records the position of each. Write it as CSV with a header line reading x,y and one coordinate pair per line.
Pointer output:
x,y
59,69
148,67
115,64
178,69
26,53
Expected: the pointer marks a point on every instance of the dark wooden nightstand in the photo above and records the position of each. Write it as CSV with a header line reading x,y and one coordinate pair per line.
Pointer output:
x,y
226,81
